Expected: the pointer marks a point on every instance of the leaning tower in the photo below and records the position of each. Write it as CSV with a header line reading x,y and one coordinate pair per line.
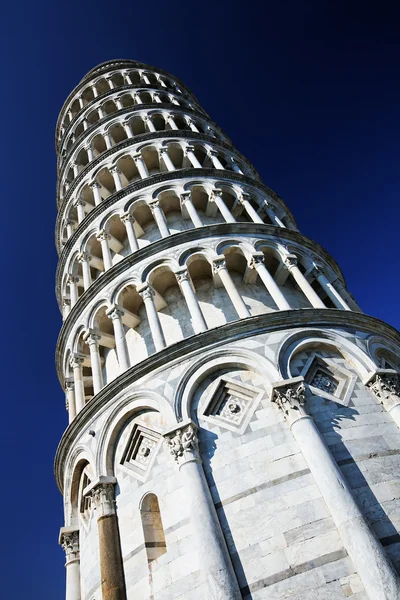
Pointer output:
x,y
233,414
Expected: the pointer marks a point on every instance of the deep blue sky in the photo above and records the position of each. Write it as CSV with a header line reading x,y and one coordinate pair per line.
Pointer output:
x,y
309,91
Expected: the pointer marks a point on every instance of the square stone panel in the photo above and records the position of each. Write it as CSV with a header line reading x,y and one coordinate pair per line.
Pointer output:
x,y
231,404
328,380
141,450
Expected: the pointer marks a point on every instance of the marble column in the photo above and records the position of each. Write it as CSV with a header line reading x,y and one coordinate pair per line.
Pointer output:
x,y
79,204
84,259
89,151
310,294
95,187
107,139
186,201
92,339
141,165
149,124
128,220
70,399
385,384
115,314
244,200
103,236
76,362
163,154
329,289
73,289
75,169
272,215
66,308
159,217
189,152
116,174
236,167
128,129
216,196
218,574
213,154
172,123
127,79
69,540
257,263
111,565
219,268
197,318
191,124
373,566
157,334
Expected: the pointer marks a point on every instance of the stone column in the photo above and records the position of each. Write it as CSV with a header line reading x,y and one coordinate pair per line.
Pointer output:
x,y
340,288
197,318
69,540
244,200
257,263
272,215
236,167
311,295
79,204
119,104
103,236
107,139
213,154
92,339
385,384
156,97
219,268
159,217
84,259
85,124
95,187
76,362
191,124
100,112
172,123
127,79
186,201
163,154
66,308
329,289
110,83
218,574
69,225
373,566
111,564
128,129
89,151
216,196
149,124
115,314
189,152
141,165
116,173
147,294
128,220
136,98
70,399
73,289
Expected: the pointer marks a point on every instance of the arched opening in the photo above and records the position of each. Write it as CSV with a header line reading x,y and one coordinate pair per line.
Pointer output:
x,y
173,312
153,530
170,205
137,125
117,133
140,345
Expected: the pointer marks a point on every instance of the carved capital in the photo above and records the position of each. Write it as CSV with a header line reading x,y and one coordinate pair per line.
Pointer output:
x,y
94,184
290,261
91,337
146,292
102,235
69,540
183,443
215,193
76,360
103,498
114,170
386,387
127,217
182,275
71,279
69,385
83,257
80,202
186,196
188,148
218,265
318,269
290,396
256,260
114,312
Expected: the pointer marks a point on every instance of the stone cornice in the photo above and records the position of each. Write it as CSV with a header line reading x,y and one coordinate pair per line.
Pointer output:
x,y
113,92
173,108
146,137
198,234
142,184
111,66
228,333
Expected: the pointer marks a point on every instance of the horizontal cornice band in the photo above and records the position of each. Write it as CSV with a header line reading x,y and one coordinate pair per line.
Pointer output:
x,y
228,333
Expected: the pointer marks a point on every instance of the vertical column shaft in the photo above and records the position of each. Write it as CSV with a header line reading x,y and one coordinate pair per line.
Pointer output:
x,y
311,295
115,314
128,220
198,320
152,316
69,540
219,268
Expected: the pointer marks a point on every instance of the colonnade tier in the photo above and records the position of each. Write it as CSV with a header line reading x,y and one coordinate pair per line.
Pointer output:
x,y
122,74
123,120
249,279
152,153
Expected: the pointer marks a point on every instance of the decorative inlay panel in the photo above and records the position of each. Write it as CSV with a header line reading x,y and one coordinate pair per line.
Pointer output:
x,y
140,450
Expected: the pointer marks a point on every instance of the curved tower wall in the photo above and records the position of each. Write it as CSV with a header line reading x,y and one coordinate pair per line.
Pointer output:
x,y
232,412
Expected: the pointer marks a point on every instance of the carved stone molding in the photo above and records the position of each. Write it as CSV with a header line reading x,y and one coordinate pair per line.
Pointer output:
x,y
386,387
102,493
69,541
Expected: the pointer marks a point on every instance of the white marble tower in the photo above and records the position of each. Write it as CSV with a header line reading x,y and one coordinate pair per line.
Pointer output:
x,y
233,414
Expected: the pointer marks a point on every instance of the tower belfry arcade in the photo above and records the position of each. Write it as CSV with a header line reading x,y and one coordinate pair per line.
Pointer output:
x,y
233,414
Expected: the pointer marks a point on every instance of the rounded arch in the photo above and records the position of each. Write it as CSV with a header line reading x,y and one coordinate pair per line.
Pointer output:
x,y
212,361
381,350
80,459
125,411
340,342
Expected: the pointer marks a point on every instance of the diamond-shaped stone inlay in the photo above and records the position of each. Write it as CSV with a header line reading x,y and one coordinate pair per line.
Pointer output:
x,y
325,382
140,450
232,404
327,379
